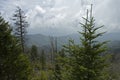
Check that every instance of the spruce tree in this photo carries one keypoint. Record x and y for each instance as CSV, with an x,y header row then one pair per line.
x,y
13,64
57,65
34,53
20,26
87,60
92,49
43,60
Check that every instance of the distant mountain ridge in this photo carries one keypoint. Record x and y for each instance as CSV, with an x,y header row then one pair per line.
x,y
43,40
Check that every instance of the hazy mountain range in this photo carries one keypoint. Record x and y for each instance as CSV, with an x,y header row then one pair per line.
x,y
43,40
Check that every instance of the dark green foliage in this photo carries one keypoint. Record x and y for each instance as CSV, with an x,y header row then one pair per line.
x,y
57,66
34,53
92,50
13,64
87,60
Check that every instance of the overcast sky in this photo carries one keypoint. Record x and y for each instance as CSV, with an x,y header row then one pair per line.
x,y
62,17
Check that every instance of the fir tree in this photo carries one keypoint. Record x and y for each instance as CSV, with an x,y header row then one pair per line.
x,y
58,66
20,26
34,53
87,60
93,51
43,60
13,64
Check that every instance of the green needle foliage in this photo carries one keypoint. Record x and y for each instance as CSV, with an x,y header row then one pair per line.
x,y
13,64
92,51
87,60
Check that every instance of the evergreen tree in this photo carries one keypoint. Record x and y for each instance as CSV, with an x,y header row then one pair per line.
x,y
87,60
13,64
20,26
34,53
58,66
93,51
43,60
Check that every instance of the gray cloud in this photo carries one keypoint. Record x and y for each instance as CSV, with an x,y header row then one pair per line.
x,y
107,13
59,17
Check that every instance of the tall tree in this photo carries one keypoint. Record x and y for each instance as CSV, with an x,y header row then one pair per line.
x,y
93,50
58,66
43,60
53,44
87,60
13,64
34,53
20,24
